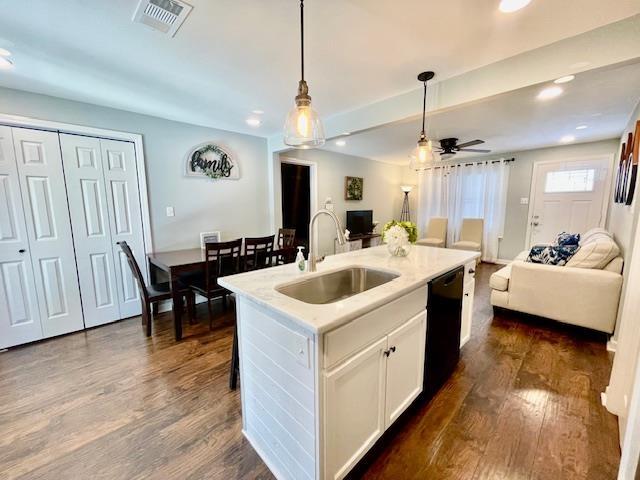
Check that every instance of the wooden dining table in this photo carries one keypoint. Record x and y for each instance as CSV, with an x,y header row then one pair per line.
x,y
177,263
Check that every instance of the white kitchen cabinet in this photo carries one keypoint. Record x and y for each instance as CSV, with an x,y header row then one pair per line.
x,y
366,393
354,408
467,303
405,366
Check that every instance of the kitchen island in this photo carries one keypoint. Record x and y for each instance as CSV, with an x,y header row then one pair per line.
x,y
330,359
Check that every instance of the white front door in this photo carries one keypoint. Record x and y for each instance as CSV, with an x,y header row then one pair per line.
x,y
568,196
19,313
83,168
49,230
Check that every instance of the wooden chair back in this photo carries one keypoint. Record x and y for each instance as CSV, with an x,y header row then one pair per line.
x,y
222,258
258,252
286,237
135,270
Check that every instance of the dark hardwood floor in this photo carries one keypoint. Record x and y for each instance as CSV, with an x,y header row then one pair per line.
x,y
110,403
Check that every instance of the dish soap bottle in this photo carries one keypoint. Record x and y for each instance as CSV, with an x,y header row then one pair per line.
x,y
300,263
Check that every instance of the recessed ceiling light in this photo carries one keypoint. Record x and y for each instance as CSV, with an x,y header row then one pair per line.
x,y
549,93
253,122
508,6
257,112
4,52
5,63
565,79
346,133
568,139
341,143
581,127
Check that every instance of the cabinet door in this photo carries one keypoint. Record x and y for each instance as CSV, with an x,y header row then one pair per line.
x,y
467,310
46,210
82,159
354,409
125,216
405,366
19,314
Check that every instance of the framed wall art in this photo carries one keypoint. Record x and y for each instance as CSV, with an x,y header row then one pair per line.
x,y
353,188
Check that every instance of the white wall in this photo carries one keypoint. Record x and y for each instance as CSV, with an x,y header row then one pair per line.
x,y
623,222
381,193
236,208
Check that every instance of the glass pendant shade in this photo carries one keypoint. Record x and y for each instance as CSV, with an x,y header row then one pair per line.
x,y
303,128
422,155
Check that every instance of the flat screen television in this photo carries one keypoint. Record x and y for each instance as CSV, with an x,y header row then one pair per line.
x,y
359,222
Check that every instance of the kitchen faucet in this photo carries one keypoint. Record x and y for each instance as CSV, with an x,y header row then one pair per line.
x,y
311,263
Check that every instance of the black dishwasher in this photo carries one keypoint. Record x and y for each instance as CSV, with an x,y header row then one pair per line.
x,y
444,316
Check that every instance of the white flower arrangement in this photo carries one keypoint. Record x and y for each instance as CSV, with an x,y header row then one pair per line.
x,y
396,237
399,236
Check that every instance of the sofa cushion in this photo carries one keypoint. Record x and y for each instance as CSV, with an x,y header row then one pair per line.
x,y
552,254
500,280
595,253
522,256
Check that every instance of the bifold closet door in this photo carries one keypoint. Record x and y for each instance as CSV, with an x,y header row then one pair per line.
x,y
104,202
125,215
19,313
46,215
83,167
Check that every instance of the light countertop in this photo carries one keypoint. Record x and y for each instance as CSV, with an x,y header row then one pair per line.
x,y
418,268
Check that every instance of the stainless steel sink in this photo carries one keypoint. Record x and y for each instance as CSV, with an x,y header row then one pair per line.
x,y
334,286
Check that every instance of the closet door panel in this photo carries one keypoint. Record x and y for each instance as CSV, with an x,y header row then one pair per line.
x,y
49,230
19,313
82,160
125,216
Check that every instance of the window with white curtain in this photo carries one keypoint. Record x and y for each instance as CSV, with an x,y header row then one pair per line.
x,y
477,190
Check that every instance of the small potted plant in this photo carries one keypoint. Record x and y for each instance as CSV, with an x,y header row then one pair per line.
x,y
399,236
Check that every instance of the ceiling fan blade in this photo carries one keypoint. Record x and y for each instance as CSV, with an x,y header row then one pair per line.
x,y
470,144
475,150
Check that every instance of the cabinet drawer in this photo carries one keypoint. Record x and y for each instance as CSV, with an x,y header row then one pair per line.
x,y
349,338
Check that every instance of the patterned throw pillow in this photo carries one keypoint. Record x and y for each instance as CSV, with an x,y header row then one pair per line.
x,y
552,254
565,238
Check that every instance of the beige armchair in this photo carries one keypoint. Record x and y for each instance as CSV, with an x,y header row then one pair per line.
x,y
470,235
436,235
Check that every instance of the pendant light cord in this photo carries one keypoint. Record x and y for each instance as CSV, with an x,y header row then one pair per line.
x,y
424,107
302,38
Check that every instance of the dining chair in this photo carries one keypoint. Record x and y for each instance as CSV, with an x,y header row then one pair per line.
x,y
258,252
470,235
436,235
221,258
286,239
151,294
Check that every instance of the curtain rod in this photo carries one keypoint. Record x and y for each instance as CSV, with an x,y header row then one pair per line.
x,y
469,164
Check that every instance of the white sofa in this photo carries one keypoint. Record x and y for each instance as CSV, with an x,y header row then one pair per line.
x,y
585,292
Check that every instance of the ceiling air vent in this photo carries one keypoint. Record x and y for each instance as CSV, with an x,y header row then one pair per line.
x,y
166,16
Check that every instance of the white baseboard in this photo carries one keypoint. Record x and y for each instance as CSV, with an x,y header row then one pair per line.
x,y
603,398
612,345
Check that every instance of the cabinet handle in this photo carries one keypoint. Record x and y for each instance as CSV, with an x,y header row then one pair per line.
x,y
466,294
22,250
471,270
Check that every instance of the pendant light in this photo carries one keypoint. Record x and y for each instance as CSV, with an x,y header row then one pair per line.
x,y
422,155
303,128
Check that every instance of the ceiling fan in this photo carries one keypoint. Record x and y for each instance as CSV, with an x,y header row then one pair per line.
x,y
450,146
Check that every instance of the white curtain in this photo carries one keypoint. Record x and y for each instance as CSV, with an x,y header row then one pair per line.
x,y
477,190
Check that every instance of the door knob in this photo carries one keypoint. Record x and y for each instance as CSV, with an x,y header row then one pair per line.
x,y
22,250
535,224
